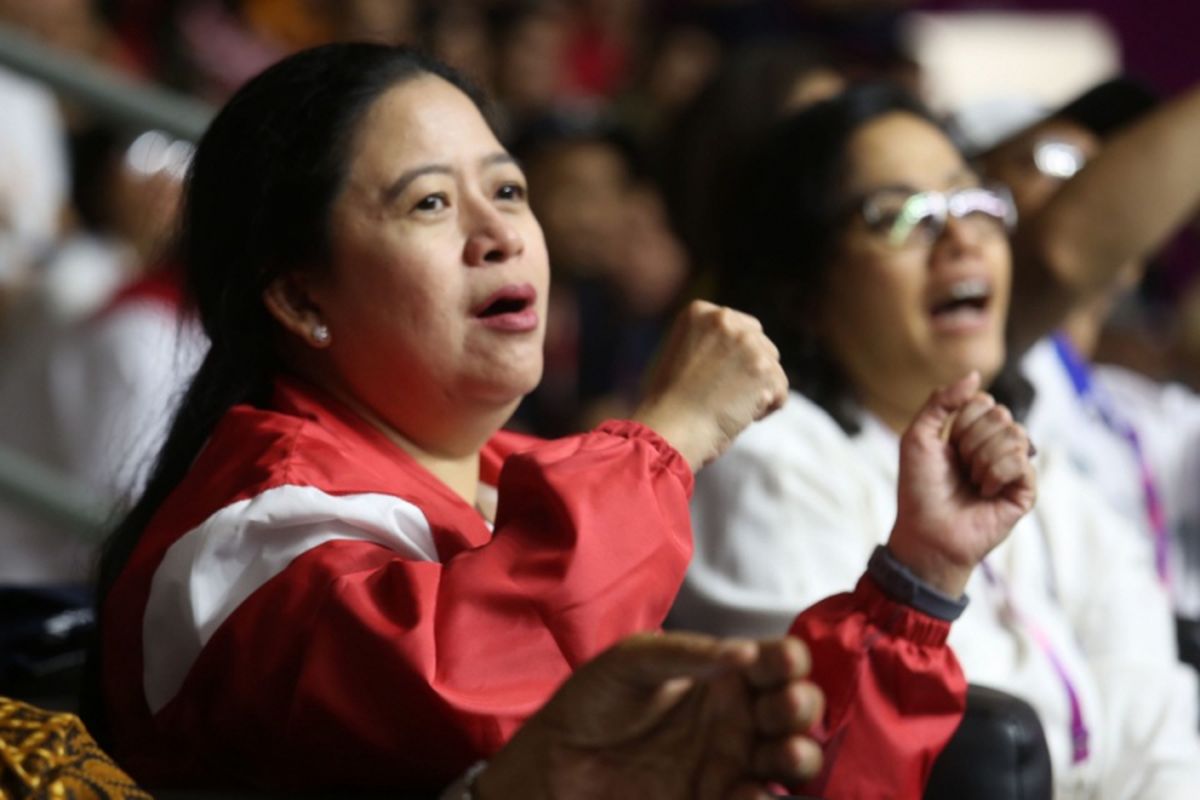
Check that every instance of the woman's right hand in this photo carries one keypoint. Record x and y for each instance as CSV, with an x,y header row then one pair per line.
x,y
965,480
718,373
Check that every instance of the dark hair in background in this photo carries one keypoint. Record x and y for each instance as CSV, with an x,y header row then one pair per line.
x,y
257,206
96,153
706,147
783,239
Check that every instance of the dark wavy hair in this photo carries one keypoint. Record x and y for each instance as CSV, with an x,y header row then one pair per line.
x,y
776,261
257,206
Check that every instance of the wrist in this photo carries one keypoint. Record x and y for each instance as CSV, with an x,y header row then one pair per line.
x,y
931,568
680,429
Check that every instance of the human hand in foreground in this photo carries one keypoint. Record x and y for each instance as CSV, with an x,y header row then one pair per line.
x,y
965,480
718,373
675,715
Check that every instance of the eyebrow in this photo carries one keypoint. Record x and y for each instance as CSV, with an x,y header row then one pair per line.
x,y
397,187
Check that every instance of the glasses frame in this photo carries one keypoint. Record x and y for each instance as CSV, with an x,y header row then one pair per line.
x,y
940,206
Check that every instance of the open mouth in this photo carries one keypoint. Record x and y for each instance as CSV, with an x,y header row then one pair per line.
x,y
963,301
503,305
509,308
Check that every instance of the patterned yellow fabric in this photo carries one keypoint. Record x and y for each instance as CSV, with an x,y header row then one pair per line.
x,y
48,755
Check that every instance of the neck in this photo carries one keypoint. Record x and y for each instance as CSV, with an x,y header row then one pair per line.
x,y
460,472
455,464
891,410
1083,329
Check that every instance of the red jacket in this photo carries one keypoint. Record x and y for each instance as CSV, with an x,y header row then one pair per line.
x,y
310,608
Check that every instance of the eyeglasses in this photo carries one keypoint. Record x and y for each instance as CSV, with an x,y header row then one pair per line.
x,y
1058,158
906,219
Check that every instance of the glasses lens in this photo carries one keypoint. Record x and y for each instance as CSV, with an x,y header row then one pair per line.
x,y
920,217
983,204
1058,159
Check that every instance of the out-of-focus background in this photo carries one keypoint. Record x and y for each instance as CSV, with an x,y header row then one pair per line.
x,y
628,115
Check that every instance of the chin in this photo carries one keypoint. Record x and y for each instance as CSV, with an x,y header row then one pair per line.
x,y
507,388
986,358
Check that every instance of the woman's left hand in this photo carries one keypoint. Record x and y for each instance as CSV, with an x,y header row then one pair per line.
x,y
965,480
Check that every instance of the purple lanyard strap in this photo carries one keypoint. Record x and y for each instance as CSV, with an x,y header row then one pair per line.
x,y
1079,729
1093,396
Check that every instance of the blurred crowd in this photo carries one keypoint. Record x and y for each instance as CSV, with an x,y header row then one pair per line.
x,y
639,125
631,118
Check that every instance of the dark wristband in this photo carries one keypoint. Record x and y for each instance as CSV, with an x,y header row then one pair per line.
x,y
900,584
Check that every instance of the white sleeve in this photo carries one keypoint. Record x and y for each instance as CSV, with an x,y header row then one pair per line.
x,y
779,522
1124,622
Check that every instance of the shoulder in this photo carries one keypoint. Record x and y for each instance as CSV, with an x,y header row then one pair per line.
x,y
798,434
257,453
796,458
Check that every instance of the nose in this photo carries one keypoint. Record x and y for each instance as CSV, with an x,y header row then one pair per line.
x,y
960,235
492,238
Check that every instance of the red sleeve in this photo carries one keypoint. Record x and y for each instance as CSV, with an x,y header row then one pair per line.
x,y
355,666
894,693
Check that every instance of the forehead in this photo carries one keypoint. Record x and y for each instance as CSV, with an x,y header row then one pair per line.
x,y
901,149
421,121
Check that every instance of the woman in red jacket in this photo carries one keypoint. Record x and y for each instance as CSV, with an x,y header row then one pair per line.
x,y
342,573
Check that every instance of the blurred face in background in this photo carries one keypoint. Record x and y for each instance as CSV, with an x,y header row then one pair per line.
x,y
913,304
532,60
578,189
1036,163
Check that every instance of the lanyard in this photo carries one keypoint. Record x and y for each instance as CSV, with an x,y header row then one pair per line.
x,y
1093,396
1079,729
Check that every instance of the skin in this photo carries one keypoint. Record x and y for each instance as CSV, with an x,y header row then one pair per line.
x,y
669,716
431,221
965,475
886,338
965,480
1012,162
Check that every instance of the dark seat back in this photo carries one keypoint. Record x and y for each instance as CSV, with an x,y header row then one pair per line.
x,y
998,753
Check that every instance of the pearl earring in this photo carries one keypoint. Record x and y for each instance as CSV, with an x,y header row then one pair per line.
x,y
320,333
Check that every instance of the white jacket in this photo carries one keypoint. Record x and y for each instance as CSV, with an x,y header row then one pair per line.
x,y
1166,417
791,513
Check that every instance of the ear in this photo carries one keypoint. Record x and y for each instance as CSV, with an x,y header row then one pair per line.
x,y
289,302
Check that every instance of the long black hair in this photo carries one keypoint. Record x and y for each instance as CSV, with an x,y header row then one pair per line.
x,y
781,249
256,206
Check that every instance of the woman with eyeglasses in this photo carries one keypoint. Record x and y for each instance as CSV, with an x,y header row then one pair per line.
x,y
881,266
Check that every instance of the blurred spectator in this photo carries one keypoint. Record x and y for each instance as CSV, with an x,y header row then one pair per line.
x,y
680,61
530,40
618,271
1106,179
703,155
456,32
33,183
86,392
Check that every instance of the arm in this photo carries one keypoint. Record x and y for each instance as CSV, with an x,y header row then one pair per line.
x,y
879,741
895,691
1119,209
400,670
